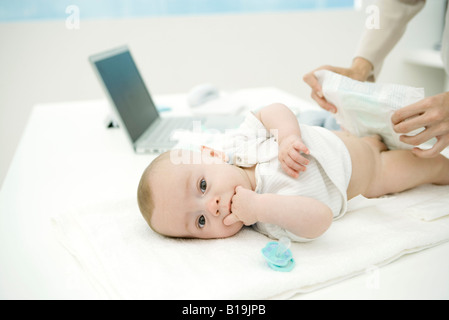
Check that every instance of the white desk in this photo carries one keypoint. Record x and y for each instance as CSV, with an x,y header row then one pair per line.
x,y
68,158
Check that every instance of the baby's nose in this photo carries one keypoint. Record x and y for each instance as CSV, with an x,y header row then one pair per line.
x,y
213,206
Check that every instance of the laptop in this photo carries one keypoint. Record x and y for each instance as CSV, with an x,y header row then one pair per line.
x,y
126,90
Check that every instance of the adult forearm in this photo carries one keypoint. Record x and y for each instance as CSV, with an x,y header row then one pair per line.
x,y
361,69
377,41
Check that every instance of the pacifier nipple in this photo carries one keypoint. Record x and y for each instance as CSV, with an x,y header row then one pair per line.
x,y
278,255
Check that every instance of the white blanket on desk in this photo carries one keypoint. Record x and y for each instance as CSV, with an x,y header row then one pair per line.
x,y
123,258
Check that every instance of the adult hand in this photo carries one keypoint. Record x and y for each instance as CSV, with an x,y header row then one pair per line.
x,y
243,207
432,113
359,70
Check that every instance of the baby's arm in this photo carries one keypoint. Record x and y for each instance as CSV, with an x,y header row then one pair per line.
x,y
302,216
282,123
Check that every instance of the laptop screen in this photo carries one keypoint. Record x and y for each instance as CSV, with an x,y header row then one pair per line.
x,y
128,92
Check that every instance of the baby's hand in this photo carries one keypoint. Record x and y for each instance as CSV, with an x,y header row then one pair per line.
x,y
242,207
290,157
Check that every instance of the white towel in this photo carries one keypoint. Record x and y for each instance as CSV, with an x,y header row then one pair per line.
x,y
123,258
425,202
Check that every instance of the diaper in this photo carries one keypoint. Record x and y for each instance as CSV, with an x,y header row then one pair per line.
x,y
365,108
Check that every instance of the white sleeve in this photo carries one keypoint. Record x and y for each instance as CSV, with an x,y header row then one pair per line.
x,y
376,43
445,43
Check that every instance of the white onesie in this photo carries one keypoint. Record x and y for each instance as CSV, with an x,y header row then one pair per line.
x,y
325,179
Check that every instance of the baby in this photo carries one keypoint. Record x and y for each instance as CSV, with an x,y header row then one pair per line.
x,y
296,193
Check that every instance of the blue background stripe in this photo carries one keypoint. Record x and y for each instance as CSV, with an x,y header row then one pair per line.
x,y
19,10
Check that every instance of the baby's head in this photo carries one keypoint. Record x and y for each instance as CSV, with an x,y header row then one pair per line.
x,y
188,194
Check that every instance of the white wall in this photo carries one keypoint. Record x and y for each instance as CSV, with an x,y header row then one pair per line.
x,y
46,62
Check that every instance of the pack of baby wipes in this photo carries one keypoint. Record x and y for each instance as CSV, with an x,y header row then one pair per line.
x,y
365,108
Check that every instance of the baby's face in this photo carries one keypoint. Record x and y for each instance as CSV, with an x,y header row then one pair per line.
x,y
191,200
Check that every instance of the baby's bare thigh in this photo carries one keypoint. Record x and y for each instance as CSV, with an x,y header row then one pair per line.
x,y
365,158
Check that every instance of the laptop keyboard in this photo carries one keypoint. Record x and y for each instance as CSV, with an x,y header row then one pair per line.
x,y
166,126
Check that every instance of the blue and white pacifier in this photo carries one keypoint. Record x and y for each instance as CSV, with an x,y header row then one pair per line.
x,y
278,255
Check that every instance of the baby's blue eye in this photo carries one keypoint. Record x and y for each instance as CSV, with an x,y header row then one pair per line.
x,y
201,222
203,185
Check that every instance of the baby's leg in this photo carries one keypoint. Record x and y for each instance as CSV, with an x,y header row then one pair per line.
x,y
376,171
401,170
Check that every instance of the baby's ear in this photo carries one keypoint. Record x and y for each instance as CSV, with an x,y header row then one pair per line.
x,y
214,153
